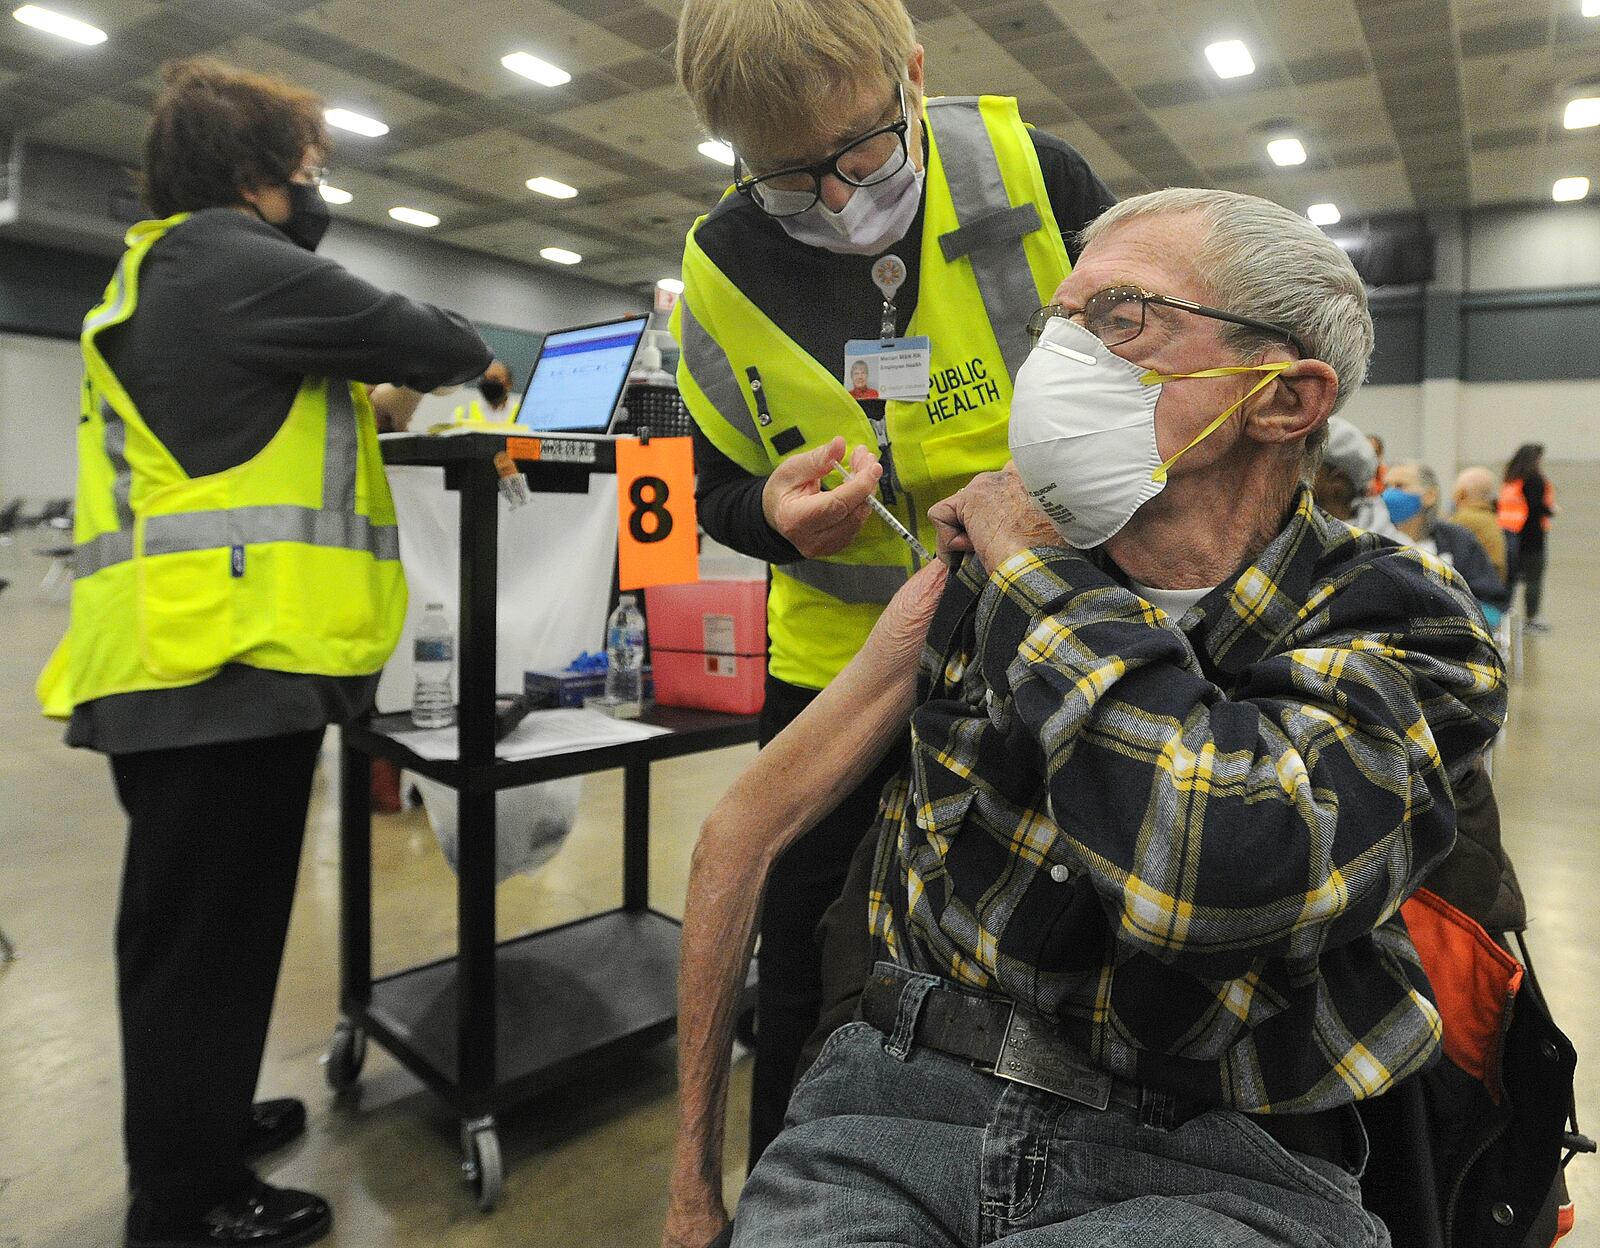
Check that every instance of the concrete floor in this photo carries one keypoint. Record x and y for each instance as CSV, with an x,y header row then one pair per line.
x,y
587,1165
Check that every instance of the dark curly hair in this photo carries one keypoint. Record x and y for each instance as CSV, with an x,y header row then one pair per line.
x,y
218,130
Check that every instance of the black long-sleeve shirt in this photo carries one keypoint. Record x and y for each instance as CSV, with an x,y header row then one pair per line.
x,y
231,318
821,300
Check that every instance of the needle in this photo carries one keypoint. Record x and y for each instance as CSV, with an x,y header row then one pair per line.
x,y
888,517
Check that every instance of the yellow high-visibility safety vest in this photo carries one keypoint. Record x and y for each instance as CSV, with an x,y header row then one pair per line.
x,y
288,562
992,253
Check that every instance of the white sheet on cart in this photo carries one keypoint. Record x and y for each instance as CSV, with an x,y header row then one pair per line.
x,y
555,563
541,733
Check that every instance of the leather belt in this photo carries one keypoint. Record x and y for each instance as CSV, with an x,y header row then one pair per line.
x,y
1002,1040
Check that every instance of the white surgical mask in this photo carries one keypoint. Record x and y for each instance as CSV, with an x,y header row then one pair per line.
x,y
872,220
1083,431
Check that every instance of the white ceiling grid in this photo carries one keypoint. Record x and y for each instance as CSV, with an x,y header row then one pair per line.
x,y
1403,105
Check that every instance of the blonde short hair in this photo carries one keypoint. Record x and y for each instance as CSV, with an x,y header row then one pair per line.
x,y
755,70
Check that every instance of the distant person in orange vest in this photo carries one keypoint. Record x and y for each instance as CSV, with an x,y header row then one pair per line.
x,y
1527,506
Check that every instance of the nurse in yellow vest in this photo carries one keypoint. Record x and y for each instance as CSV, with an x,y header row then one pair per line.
x,y
868,225
237,588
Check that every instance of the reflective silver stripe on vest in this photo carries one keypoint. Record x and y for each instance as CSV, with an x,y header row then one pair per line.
x,y
243,526
340,452
248,526
999,263
116,444
848,582
708,364
101,552
119,300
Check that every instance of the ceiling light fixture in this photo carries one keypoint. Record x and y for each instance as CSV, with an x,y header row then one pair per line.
x,y
54,23
672,284
552,188
334,195
357,123
717,151
1568,189
530,66
560,255
1591,8
1287,152
415,216
1583,112
1230,58
1323,214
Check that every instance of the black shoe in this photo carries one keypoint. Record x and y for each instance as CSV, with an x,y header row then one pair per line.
x,y
260,1216
272,1125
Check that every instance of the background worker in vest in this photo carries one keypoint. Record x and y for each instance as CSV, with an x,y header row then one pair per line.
x,y
840,167
494,389
221,370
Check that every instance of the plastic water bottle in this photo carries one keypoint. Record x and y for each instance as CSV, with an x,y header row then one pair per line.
x,y
434,660
625,660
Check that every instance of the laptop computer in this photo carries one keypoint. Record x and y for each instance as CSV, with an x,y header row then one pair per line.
x,y
577,379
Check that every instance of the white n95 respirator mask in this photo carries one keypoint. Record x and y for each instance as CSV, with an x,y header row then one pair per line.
x,y
1083,431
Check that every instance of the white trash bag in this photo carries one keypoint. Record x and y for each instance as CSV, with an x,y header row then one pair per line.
x,y
531,823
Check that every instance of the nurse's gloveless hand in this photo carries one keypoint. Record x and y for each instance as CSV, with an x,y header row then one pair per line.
x,y
820,522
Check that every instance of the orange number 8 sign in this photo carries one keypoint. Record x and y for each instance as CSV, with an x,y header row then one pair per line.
x,y
656,523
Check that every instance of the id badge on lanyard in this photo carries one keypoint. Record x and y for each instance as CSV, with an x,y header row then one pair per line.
x,y
888,367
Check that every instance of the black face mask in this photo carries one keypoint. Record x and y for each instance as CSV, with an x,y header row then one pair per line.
x,y
493,392
308,216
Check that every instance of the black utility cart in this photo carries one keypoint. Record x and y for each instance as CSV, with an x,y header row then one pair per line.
x,y
497,1024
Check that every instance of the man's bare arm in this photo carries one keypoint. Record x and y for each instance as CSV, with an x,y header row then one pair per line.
x,y
829,749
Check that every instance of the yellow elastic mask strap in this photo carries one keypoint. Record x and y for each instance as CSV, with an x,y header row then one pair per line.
x,y
1271,371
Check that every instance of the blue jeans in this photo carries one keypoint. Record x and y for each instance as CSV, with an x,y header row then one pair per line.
x,y
930,1151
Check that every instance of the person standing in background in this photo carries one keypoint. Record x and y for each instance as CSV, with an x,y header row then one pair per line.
x,y
1526,508
1474,498
861,212
494,387
237,589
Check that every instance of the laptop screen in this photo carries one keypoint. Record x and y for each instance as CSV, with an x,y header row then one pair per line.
x,y
579,376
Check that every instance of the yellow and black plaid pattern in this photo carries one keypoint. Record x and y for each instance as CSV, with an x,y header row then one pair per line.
x,y
1188,841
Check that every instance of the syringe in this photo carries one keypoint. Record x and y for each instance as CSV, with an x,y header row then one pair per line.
x,y
888,517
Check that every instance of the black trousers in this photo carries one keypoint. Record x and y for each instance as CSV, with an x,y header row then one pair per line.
x,y
804,882
214,835
1527,566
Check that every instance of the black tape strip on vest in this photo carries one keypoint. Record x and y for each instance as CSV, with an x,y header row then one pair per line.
x,y
786,440
997,227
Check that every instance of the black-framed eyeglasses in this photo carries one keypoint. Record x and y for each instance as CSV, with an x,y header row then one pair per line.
x,y
873,157
1116,315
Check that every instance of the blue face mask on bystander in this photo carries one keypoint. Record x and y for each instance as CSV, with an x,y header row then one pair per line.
x,y
1402,504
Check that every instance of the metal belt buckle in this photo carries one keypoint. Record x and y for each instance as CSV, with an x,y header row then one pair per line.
x,y
1033,1054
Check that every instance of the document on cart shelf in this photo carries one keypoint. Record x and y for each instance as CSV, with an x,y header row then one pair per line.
x,y
541,733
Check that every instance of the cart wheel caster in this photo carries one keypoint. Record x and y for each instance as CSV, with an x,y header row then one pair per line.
x,y
347,1053
481,1166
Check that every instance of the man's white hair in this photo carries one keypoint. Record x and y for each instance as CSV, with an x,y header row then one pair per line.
x,y
1265,262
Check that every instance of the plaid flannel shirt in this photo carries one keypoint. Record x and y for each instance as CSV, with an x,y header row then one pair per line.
x,y
1187,842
